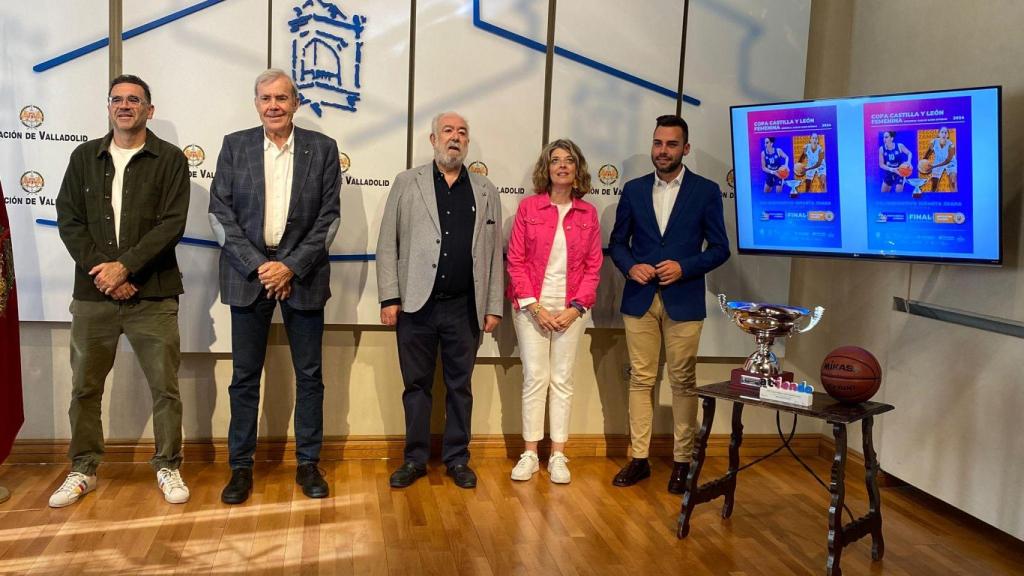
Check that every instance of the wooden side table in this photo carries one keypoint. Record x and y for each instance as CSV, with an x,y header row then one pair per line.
x,y
824,408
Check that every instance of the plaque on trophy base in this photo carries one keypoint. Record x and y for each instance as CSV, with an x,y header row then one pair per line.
x,y
750,382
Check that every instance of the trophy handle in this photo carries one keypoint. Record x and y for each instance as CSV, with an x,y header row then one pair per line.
x,y
815,318
721,304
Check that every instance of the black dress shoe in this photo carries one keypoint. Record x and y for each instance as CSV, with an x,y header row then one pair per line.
x,y
407,474
635,471
463,476
313,484
677,481
238,488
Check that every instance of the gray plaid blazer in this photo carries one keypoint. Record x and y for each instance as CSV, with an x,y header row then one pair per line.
x,y
237,200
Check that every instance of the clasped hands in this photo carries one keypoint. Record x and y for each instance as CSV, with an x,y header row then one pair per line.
x,y
111,278
276,278
553,322
666,272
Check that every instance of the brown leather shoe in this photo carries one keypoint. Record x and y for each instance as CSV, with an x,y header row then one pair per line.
x,y
677,481
635,471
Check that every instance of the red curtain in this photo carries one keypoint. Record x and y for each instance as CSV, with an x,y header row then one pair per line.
x,y
12,413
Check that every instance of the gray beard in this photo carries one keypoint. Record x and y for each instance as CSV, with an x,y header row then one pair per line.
x,y
446,163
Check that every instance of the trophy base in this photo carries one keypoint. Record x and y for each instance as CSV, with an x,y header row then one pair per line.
x,y
750,383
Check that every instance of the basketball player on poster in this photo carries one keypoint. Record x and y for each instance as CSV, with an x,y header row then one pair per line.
x,y
894,159
813,160
942,153
774,164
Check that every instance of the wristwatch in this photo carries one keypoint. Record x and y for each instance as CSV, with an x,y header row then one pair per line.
x,y
579,307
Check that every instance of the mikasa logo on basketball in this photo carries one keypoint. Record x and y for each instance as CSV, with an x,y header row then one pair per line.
x,y
837,366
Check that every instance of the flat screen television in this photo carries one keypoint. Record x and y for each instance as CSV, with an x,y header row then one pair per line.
x,y
913,176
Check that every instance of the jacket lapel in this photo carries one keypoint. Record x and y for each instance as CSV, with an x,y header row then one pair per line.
x,y
647,203
254,153
425,182
683,199
480,203
300,168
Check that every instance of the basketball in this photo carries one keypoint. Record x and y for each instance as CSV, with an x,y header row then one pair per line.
x,y
924,167
783,172
799,169
851,374
905,170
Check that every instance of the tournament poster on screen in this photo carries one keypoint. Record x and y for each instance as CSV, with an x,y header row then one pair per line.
x,y
918,174
794,170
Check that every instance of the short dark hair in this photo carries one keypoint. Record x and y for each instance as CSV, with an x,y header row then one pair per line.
x,y
131,79
673,120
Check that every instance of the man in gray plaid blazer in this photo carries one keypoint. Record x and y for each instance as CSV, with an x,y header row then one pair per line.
x,y
274,207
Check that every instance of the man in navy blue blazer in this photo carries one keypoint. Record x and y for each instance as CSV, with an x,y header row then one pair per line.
x,y
274,207
669,232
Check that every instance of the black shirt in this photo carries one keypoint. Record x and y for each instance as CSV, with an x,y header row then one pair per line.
x,y
456,212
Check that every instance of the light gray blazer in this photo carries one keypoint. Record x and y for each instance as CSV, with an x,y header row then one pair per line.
x,y
410,243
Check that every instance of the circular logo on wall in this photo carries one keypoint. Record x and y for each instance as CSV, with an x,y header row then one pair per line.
x,y
31,116
730,179
478,168
194,154
32,182
344,161
608,174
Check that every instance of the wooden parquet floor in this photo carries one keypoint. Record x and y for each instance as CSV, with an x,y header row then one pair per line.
x,y
365,527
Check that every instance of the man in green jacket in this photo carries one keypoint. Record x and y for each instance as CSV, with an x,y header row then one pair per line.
x,y
121,210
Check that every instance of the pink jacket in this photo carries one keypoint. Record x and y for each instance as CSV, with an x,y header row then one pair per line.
x,y
529,247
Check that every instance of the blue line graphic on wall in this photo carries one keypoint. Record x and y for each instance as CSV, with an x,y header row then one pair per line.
x,y
126,35
211,244
575,57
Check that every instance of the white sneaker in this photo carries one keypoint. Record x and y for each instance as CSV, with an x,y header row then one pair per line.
x,y
527,466
557,468
74,487
172,486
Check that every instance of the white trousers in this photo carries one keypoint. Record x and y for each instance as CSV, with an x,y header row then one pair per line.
x,y
548,363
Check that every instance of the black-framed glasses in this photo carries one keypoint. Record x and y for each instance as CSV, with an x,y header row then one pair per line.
x,y
130,100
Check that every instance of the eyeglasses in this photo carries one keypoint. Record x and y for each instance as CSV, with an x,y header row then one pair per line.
x,y
567,161
130,100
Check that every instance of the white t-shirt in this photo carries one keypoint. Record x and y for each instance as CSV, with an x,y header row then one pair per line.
x,y
121,157
552,292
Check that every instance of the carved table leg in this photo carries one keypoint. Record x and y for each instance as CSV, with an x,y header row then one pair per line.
x,y
837,488
700,446
874,500
734,457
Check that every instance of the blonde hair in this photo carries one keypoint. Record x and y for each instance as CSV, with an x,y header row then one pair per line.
x,y
542,174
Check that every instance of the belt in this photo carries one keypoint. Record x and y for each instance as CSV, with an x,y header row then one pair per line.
x,y
271,251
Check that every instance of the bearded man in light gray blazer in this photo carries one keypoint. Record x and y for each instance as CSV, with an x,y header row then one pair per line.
x,y
440,281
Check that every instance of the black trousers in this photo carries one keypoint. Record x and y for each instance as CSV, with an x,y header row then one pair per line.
x,y
452,325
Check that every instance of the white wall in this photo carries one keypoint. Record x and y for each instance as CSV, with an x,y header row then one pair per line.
x,y
958,392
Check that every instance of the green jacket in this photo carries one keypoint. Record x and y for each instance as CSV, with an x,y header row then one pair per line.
x,y
154,208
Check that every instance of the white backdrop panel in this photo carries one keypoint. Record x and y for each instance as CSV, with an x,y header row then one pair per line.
x,y
480,68
201,70
367,52
68,100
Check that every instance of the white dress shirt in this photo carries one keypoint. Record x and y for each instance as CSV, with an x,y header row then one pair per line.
x,y
664,196
277,173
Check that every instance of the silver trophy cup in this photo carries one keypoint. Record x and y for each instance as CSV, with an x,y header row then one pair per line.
x,y
766,322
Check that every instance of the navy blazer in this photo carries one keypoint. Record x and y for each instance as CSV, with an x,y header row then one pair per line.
x,y
696,218
237,201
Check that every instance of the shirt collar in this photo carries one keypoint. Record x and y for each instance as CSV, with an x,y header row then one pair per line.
x,y
677,181
289,144
438,174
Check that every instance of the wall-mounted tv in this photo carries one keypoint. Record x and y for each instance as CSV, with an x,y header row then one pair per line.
x,y
913,176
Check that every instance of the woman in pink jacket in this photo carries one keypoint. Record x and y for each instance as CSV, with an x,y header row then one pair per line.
x,y
554,264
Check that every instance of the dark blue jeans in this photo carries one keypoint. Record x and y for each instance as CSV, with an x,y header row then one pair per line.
x,y
250,326
452,326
